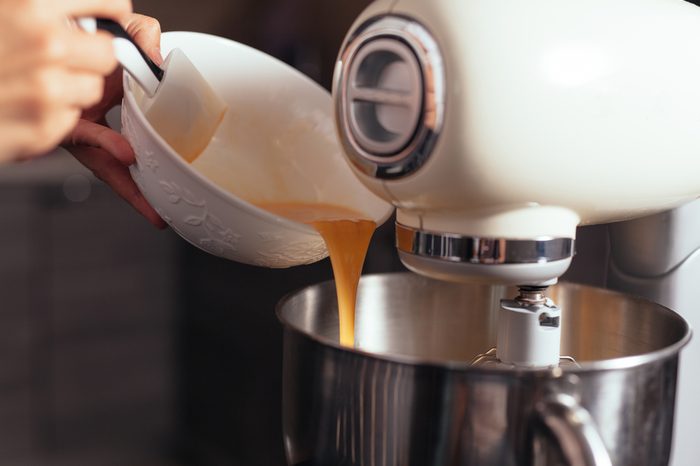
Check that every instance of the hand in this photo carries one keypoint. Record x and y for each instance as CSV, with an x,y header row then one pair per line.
x,y
104,151
146,32
49,71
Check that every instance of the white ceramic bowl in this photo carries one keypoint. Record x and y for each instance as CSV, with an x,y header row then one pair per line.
x,y
277,143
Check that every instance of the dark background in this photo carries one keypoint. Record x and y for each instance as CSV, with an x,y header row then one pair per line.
x,y
121,345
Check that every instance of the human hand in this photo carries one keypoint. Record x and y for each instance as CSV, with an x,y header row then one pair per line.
x,y
146,32
108,155
104,151
49,71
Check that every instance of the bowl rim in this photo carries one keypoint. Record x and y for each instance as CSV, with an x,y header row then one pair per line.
x,y
620,363
173,157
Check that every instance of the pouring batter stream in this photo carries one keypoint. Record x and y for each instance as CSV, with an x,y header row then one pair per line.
x,y
347,235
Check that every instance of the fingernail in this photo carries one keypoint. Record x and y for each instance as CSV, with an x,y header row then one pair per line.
x,y
158,58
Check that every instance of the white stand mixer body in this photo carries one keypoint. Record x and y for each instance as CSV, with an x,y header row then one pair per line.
x,y
535,117
552,114
541,116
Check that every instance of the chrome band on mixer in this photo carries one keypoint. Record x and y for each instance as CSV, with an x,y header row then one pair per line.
x,y
487,251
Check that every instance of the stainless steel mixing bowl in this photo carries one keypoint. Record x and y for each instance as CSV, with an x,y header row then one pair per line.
x,y
409,396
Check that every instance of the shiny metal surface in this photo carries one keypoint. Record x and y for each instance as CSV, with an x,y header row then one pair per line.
x,y
457,248
658,257
655,245
409,156
409,396
574,429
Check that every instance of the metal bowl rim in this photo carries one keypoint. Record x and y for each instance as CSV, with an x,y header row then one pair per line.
x,y
625,362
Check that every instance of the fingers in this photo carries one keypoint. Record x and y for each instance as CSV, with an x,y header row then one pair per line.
x,y
87,133
50,89
53,127
84,91
92,53
49,72
119,179
108,155
112,96
62,47
15,141
32,135
146,32
114,9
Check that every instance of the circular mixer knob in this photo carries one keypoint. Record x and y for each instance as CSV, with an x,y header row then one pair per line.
x,y
390,96
385,96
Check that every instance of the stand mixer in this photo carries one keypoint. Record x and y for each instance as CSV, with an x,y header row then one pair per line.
x,y
498,127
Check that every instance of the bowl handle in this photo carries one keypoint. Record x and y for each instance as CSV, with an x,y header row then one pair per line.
x,y
573,427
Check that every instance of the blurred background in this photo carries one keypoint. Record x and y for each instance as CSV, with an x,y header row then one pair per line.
x,y
122,345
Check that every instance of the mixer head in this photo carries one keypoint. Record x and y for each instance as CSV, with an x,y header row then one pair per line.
x,y
497,127
392,112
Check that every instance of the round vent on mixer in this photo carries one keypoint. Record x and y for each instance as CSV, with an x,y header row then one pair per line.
x,y
385,98
390,96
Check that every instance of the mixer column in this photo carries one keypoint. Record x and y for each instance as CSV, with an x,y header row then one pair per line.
x,y
529,329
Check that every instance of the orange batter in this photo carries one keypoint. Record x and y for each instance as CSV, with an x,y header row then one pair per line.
x,y
347,235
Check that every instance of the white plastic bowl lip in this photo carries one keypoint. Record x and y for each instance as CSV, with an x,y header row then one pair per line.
x,y
229,197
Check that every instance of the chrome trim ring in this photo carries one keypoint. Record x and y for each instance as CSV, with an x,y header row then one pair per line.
x,y
414,154
486,251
